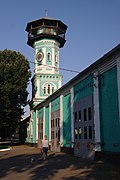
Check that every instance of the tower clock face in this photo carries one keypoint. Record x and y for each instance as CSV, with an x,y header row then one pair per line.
x,y
39,56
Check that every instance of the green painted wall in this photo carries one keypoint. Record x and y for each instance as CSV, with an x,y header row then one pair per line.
x,y
83,88
48,79
66,120
47,121
40,113
109,117
55,104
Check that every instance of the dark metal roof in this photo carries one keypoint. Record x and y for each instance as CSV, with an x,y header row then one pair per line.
x,y
93,66
38,21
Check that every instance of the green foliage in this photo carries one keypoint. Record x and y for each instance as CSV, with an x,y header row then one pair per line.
x,y
14,80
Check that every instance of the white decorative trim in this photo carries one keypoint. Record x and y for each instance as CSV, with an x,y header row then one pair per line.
x,y
118,82
96,113
72,119
61,120
50,43
46,83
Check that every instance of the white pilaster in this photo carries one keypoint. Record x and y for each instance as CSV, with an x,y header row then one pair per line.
x,y
49,121
96,113
59,84
36,126
118,82
72,118
61,119
38,87
43,121
53,60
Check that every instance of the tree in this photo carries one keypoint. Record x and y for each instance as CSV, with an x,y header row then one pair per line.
x,y
14,80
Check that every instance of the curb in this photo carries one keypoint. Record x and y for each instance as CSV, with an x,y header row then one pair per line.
x,y
7,149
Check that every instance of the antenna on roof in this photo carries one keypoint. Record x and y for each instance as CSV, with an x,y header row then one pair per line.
x,y
46,12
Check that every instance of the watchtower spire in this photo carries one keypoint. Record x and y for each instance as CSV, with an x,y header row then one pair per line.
x,y
46,12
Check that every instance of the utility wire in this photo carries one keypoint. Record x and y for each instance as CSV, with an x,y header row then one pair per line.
x,y
55,67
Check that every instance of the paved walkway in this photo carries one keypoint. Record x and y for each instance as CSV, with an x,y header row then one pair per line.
x,y
25,163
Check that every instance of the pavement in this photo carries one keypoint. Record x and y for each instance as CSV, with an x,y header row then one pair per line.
x,y
26,163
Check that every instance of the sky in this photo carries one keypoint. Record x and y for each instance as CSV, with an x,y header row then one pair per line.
x,y
93,29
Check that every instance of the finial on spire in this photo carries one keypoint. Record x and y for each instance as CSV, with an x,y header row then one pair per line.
x,y
46,12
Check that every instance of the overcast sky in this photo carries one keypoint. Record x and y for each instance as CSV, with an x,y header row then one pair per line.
x,y
93,29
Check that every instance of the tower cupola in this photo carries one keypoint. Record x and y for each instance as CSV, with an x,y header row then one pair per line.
x,y
46,28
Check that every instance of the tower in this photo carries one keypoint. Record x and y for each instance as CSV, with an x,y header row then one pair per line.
x,y
46,36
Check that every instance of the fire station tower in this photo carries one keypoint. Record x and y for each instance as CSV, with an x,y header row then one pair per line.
x,y
46,36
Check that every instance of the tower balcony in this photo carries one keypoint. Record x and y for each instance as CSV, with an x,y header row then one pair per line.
x,y
49,35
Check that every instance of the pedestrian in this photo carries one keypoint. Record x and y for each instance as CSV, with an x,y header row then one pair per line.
x,y
45,146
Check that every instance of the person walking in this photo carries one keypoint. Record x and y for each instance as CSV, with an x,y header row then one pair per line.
x,y
45,146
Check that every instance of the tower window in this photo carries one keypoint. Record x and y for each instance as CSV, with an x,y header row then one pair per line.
x,y
48,56
44,90
56,59
52,89
48,89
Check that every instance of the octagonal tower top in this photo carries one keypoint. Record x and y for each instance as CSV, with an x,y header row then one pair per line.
x,y
46,28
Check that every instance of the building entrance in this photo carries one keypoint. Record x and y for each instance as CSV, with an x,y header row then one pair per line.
x,y
55,131
40,131
83,128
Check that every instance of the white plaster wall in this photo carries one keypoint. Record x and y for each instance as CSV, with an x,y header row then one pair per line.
x,y
72,120
61,120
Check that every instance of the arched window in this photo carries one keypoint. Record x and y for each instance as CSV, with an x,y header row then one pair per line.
x,y
49,88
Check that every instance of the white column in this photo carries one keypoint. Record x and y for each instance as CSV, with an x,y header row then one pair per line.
x,y
61,120
96,113
53,60
118,82
38,87
72,118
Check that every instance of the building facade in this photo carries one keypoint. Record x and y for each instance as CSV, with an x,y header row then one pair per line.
x,y
83,116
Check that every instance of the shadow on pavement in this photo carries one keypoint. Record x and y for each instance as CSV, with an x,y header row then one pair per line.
x,y
57,166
